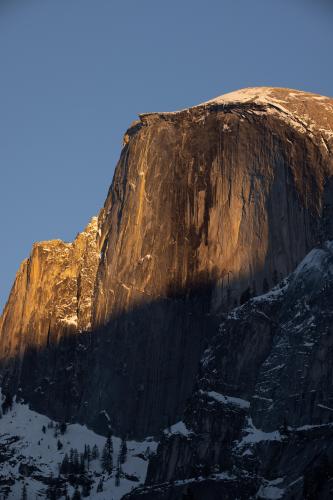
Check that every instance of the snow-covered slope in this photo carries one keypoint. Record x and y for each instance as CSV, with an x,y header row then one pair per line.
x,y
307,112
30,456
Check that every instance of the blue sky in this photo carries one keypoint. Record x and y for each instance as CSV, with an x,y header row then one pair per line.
x,y
75,73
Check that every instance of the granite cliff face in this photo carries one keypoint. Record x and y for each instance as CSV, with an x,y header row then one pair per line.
x,y
208,206
222,195
259,423
52,294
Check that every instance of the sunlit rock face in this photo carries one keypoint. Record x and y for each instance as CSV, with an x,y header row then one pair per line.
x,y
227,193
52,294
207,206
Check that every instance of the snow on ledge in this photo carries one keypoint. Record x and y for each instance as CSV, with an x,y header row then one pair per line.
x,y
227,400
178,428
271,490
254,435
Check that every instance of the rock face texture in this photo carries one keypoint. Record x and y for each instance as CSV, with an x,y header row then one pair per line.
x,y
52,294
208,206
259,424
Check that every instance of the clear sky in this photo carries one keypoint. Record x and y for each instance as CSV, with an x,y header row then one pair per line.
x,y
75,73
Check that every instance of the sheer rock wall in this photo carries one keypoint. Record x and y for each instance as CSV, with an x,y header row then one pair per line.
x,y
207,206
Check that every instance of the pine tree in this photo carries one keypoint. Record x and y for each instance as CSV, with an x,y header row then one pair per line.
x,y
58,492
95,452
50,492
118,474
123,451
87,454
24,492
76,463
82,464
8,403
100,486
65,465
63,427
71,461
65,492
77,494
107,455
86,489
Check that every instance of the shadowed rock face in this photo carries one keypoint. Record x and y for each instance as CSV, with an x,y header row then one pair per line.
x,y
260,419
205,204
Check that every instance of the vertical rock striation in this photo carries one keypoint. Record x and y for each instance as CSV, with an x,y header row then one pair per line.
x,y
52,294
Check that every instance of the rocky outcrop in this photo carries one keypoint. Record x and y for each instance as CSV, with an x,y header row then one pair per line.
x,y
208,206
259,424
52,294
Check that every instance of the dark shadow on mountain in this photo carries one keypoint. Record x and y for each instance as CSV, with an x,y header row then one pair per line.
x,y
133,375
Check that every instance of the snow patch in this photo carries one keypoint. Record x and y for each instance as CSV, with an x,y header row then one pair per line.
x,y
313,261
178,428
254,435
227,400
271,491
70,320
325,407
